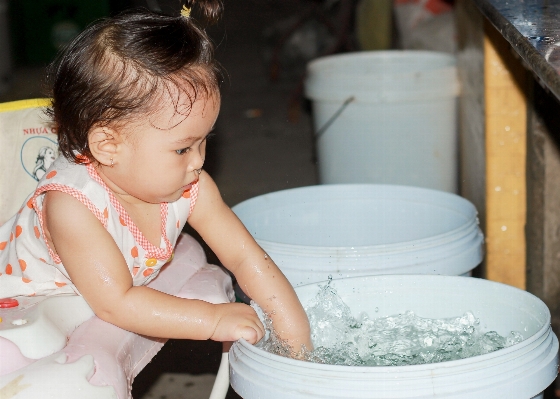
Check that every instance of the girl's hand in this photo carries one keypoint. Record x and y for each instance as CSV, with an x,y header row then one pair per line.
x,y
235,321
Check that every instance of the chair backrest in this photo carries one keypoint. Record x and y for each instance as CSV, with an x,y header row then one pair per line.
x,y
28,145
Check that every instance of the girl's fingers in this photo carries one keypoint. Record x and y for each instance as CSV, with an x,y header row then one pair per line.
x,y
250,335
262,331
253,333
259,331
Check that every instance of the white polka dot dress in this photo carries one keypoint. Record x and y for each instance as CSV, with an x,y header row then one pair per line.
x,y
28,266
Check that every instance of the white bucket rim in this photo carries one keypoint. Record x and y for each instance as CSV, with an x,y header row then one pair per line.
x,y
418,368
468,228
378,249
383,55
327,82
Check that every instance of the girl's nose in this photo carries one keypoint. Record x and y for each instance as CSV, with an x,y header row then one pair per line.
x,y
197,161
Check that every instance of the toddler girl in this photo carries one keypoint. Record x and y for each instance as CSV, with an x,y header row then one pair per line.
x,y
134,100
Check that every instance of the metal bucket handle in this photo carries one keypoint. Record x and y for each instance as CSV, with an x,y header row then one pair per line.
x,y
335,116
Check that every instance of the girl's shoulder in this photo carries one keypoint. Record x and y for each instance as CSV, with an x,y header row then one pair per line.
x,y
64,172
77,180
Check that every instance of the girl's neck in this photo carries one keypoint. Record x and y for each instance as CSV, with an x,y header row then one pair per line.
x,y
146,216
118,192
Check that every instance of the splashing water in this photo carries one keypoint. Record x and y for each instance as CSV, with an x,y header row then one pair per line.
x,y
399,340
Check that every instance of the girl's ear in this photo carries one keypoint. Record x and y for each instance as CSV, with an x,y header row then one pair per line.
x,y
104,145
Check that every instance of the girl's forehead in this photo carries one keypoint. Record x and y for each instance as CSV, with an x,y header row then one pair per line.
x,y
170,112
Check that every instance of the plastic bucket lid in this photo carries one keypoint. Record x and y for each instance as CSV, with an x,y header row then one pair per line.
x,y
382,76
348,230
521,371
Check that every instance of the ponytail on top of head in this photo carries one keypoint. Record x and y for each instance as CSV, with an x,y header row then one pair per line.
x,y
211,10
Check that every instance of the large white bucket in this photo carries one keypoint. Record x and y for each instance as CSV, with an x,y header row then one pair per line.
x,y
386,117
521,371
349,230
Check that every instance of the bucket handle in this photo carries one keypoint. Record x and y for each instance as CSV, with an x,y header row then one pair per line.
x,y
335,116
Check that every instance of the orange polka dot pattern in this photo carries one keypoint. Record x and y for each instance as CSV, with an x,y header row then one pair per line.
x,y
29,266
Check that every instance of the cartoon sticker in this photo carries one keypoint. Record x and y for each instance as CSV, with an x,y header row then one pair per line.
x,y
37,155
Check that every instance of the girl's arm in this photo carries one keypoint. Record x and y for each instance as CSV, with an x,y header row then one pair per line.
x,y
255,272
97,268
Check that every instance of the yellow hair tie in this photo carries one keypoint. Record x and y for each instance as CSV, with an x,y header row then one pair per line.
x,y
186,12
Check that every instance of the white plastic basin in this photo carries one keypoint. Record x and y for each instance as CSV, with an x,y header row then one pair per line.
x,y
521,371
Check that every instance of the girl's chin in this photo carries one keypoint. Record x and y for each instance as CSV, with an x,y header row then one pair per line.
x,y
164,198
173,198
183,192
177,195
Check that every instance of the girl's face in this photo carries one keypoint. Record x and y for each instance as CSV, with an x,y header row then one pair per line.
x,y
162,156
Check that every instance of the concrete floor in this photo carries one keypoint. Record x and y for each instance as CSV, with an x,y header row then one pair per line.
x,y
256,150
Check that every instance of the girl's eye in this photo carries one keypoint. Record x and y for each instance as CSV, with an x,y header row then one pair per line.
x,y
182,151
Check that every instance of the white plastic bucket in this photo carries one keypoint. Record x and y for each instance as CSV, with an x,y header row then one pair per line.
x,y
521,371
349,230
386,117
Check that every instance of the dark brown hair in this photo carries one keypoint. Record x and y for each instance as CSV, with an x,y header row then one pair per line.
x,y
117,67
